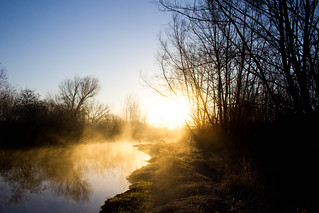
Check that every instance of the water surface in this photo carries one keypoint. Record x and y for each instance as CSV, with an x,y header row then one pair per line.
x,y
71,179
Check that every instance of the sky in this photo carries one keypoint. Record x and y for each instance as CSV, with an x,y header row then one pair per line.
x,y
45,42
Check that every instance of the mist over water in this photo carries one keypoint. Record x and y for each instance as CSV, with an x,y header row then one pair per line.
x,y
66,179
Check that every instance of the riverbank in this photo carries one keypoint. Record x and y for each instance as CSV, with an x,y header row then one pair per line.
x,y
181,178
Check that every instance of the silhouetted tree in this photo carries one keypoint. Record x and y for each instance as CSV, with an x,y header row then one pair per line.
x,y
243,61
26,120
251,68
23,122
75,93
6,94
97,113
28,106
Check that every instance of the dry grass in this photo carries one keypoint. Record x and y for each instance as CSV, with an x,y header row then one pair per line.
x,y
183,179
138,197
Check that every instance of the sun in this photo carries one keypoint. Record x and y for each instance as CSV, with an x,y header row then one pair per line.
x,y
169,112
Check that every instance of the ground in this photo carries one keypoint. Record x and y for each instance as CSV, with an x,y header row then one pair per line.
x,y
182,178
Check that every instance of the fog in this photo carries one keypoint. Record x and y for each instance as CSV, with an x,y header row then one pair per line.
x,y
73,177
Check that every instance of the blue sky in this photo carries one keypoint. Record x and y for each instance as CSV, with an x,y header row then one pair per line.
x,y
45,42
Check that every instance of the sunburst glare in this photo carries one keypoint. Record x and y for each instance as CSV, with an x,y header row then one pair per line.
x,y
170,112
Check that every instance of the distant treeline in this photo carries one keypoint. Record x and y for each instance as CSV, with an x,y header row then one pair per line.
x,y
72,115
26,120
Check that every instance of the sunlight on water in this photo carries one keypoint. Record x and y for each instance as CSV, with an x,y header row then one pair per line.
x,y
72,179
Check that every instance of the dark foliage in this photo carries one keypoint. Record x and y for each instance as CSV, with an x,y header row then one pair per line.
x,y
250,69
28,121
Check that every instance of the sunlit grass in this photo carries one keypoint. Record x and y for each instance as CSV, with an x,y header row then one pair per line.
x,y
179,178
139,196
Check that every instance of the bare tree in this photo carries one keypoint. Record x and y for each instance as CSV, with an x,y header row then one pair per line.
x,y
75,93
242,60
6,94
28,106
98,113
132,110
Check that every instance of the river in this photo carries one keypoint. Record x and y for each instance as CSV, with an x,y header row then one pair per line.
x,y
66,179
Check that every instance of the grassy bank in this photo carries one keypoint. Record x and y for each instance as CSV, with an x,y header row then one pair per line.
x,y
181,178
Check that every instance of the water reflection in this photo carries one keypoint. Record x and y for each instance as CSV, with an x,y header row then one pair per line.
x,y
73,173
